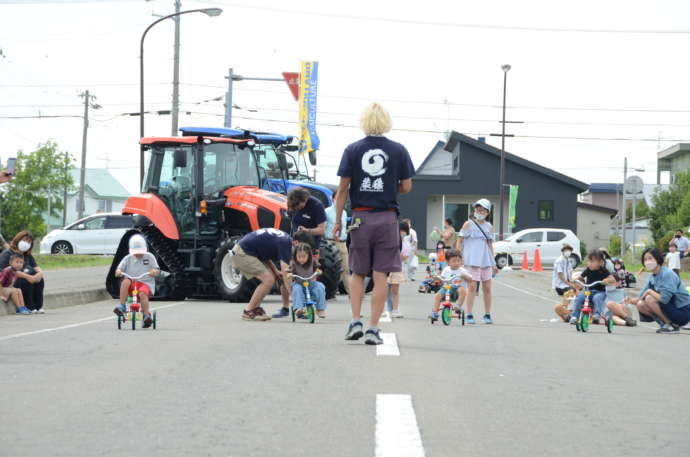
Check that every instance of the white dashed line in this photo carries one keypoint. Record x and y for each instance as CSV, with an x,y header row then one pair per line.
x,y
389,346
77,324
397,432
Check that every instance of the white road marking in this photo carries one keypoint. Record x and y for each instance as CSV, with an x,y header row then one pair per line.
x,y
389,346
550,300
397,432
77,324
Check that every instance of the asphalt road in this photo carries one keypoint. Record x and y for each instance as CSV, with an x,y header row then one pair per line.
x,y
208,384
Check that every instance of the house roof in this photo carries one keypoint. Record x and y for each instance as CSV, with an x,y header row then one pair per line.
x,y
602,209
455,138
101,183
674,150
605,188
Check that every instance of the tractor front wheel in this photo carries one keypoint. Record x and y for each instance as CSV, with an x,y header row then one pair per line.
x,y
231,284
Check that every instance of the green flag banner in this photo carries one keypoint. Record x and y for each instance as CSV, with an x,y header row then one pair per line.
x,y
512,206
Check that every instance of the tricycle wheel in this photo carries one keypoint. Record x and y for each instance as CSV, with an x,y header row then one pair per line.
x,y
134,320
311,314
445,315
609,324
155,315
462,316
584,326
578,325
119,322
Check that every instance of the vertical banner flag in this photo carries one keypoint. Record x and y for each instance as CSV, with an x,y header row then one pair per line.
x,y
309,140
512,206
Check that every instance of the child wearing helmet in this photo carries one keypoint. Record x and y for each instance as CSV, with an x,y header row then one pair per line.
x,y
138,262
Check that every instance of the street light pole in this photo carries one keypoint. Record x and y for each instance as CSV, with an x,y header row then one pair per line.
x,y
228,96
175,111
212,12
502,172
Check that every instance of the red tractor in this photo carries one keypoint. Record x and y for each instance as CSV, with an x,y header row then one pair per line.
x,y
201,194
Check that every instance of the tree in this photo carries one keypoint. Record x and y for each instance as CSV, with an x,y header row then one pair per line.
x,y
641,210
671,209
39,175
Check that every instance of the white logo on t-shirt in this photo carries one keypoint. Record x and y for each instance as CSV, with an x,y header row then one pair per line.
x,y
374,164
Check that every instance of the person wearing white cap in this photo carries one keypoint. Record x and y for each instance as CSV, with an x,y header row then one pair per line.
x,y
138,262
476,244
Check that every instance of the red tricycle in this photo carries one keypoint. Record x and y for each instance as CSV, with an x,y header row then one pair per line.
x,y
132,311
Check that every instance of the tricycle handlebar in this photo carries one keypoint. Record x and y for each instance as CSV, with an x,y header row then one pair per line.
x,y
315,274
589,285
135,278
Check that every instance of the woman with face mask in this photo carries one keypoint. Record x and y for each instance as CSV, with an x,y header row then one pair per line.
x,y
30,279
476,245
664,298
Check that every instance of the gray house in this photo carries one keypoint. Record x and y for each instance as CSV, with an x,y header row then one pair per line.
x,y
460,171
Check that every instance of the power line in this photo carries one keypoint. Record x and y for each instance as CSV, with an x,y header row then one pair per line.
x,y
451,24
544,137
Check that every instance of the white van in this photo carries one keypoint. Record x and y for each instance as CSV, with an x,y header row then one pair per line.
x,y
549,242
96,234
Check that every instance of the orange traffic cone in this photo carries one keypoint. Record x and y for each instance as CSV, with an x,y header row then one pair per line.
x,y
537,261
525,264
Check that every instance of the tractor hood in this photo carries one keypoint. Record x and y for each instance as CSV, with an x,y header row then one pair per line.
x,y
252,197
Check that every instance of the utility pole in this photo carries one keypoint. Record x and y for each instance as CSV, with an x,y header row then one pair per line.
x,y
625,178
228,101
64,192
82,176
176,72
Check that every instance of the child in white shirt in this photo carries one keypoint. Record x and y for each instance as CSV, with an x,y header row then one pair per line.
x,y
673,258
454,269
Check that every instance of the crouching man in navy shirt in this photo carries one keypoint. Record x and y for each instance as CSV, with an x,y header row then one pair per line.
x,y
308,215
373,171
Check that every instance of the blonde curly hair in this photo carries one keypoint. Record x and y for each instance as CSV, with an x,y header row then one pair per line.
x,y
375,120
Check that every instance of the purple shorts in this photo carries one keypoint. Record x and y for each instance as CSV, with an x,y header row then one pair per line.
x,y
375,245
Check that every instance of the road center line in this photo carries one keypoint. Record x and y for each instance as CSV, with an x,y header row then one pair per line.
x,y
77,324
397,432
389,346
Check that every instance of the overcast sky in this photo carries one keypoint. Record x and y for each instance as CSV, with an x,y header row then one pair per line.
x,y
420,59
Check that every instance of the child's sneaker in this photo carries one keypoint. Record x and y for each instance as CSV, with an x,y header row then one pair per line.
x,y
119,310
23,310
573,320
469,319
433,317
148,321
282,312
487,319
595,319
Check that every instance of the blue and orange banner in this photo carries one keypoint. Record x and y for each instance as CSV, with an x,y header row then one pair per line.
x,y
309,140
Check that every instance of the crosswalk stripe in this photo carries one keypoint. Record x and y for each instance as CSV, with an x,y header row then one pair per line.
x,y
389,346
397,432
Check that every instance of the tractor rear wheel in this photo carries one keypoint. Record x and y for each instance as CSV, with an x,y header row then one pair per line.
x,y
232,285
331,266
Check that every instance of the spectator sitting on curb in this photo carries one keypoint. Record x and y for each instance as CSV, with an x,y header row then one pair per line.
x,y
30,278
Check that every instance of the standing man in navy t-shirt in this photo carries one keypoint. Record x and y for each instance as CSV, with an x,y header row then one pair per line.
x,y
373,170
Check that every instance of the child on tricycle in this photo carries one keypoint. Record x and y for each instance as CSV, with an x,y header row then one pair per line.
x,y
454,271
138,264
303,269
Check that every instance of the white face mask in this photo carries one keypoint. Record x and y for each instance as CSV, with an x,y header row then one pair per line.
x,y
24,246
650,265
479,216
567,253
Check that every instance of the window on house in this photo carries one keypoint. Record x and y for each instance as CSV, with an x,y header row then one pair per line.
x,y
105,206
545,211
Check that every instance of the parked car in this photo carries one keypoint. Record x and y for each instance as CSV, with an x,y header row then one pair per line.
x,y
96,234
548,240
